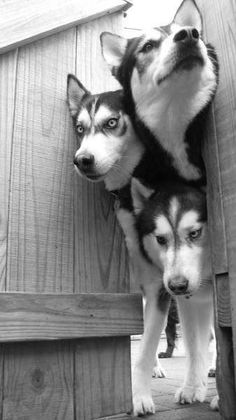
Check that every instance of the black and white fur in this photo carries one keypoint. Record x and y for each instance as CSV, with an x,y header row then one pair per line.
x,y
173,236
169,77
148,161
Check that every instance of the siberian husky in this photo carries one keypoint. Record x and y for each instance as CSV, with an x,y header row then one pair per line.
x,y
173,235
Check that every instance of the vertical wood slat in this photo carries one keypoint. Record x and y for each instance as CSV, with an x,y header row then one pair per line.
x,y
220,28
107,361
8,64
38,379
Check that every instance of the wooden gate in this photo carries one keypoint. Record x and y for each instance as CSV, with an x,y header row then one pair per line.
x,y
220,154
64,272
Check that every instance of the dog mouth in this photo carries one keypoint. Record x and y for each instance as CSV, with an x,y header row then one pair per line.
x,y
184,62
94,177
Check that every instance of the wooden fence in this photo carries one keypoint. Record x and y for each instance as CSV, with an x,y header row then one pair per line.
x,y
220,154
64,272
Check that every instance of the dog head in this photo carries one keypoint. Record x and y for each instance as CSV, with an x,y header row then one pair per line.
x,y
169,65
104,133
173,235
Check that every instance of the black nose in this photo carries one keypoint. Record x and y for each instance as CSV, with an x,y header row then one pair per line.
x,y
178,285
84,162
187,35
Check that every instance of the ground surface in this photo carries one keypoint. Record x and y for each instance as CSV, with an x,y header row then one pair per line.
x,y
163,389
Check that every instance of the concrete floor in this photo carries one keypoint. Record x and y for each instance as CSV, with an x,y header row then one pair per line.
x,y
163,389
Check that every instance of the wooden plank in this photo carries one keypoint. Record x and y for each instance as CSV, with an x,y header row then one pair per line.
x,y
38,381
216,219
8,64
102,378
40,235
223,300
225,373
25,317
221,32
26,21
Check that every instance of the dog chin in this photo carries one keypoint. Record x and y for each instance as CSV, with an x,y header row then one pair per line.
x,y
91,177
95,177
185,64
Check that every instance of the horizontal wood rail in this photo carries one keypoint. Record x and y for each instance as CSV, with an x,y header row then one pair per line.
x,y
26,21
28,317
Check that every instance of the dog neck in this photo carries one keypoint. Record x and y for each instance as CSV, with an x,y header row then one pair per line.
x,y
168,111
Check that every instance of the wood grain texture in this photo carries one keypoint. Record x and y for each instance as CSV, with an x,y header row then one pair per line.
x,y
225,373
220,30
223,299
40,238
40,234
34,20
8,64
25,317
38,381
102,378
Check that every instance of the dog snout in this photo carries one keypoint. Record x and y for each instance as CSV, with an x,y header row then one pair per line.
x,y
84,162
178,285
187,35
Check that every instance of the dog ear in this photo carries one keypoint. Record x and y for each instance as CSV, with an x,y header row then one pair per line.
x,y
188,14
75,92
140,195
113,49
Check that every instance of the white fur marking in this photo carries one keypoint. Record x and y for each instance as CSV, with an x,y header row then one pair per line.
x,y
189,220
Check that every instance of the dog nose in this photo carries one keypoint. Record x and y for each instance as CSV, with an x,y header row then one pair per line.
x,y
84,162
178,285
187,35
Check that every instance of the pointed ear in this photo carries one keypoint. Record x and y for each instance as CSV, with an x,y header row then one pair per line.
x,y
188,14
113,49
140,195
75,92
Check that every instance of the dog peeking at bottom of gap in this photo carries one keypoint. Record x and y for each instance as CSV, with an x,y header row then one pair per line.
x,y
172,231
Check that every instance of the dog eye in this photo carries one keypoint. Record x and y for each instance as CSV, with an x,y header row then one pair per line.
x,y
195,234
161,240
147,47
112,123
79,128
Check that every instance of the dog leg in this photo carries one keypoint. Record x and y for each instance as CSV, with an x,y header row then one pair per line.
x,y
154,319
196,315
158,370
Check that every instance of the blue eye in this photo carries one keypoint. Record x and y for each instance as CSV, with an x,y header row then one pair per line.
x,y
79,128
112,123
195,234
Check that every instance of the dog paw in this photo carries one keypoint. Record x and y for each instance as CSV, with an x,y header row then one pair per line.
x,y
215,403
143,404
189,394
158,372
